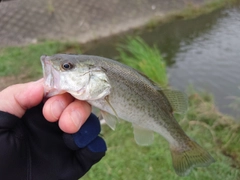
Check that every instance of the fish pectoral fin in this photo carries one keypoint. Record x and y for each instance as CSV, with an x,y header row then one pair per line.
x,y
110,119
142,136
177,99
108,102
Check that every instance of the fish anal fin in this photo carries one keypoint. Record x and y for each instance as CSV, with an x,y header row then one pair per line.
x,y
142,136
110,119
177,99
190,156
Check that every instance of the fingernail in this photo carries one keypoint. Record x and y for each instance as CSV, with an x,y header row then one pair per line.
x,y
76,118
57,108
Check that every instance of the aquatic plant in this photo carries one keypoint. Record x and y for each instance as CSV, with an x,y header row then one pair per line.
x,y
139,55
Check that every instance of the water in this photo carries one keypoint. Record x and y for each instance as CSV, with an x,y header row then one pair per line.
x,y
203,52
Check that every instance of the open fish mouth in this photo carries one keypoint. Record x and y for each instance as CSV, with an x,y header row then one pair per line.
x,y
50,75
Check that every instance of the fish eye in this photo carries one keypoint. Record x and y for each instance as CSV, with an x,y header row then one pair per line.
x,y
67,66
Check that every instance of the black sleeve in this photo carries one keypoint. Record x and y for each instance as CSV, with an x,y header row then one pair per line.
x,y
35,149
13,149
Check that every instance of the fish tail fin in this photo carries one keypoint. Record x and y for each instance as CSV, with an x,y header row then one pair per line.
x,y
188,156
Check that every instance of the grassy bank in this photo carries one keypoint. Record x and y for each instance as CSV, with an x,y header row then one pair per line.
x,y
25,61
192,10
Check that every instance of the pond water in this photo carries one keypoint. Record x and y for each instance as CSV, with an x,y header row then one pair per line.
x,y
203,52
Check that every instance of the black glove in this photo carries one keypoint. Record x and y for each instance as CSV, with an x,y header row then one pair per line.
x,y
32,148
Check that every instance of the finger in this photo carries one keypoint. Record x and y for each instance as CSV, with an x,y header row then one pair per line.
x,y
55,105
74,116
16,99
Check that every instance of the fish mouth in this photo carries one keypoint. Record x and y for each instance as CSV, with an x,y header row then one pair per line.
x,y
45,61
47,70
50,76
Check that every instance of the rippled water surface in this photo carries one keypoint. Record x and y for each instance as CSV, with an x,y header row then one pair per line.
x,y
204,52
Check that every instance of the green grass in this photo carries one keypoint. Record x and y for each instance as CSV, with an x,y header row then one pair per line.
x,y
25,61
137,54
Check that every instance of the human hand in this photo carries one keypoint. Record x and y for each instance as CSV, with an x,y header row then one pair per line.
x,y
71,113
31,146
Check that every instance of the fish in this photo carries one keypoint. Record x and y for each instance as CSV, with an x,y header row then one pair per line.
x,y
123,93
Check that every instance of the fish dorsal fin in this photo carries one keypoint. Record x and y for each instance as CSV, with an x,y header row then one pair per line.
x,y
142,136
177,99
110,119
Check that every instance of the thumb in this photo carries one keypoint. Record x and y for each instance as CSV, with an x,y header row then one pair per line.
x,y
16,99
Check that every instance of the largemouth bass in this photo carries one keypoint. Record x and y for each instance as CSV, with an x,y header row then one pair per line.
x,y
121,92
